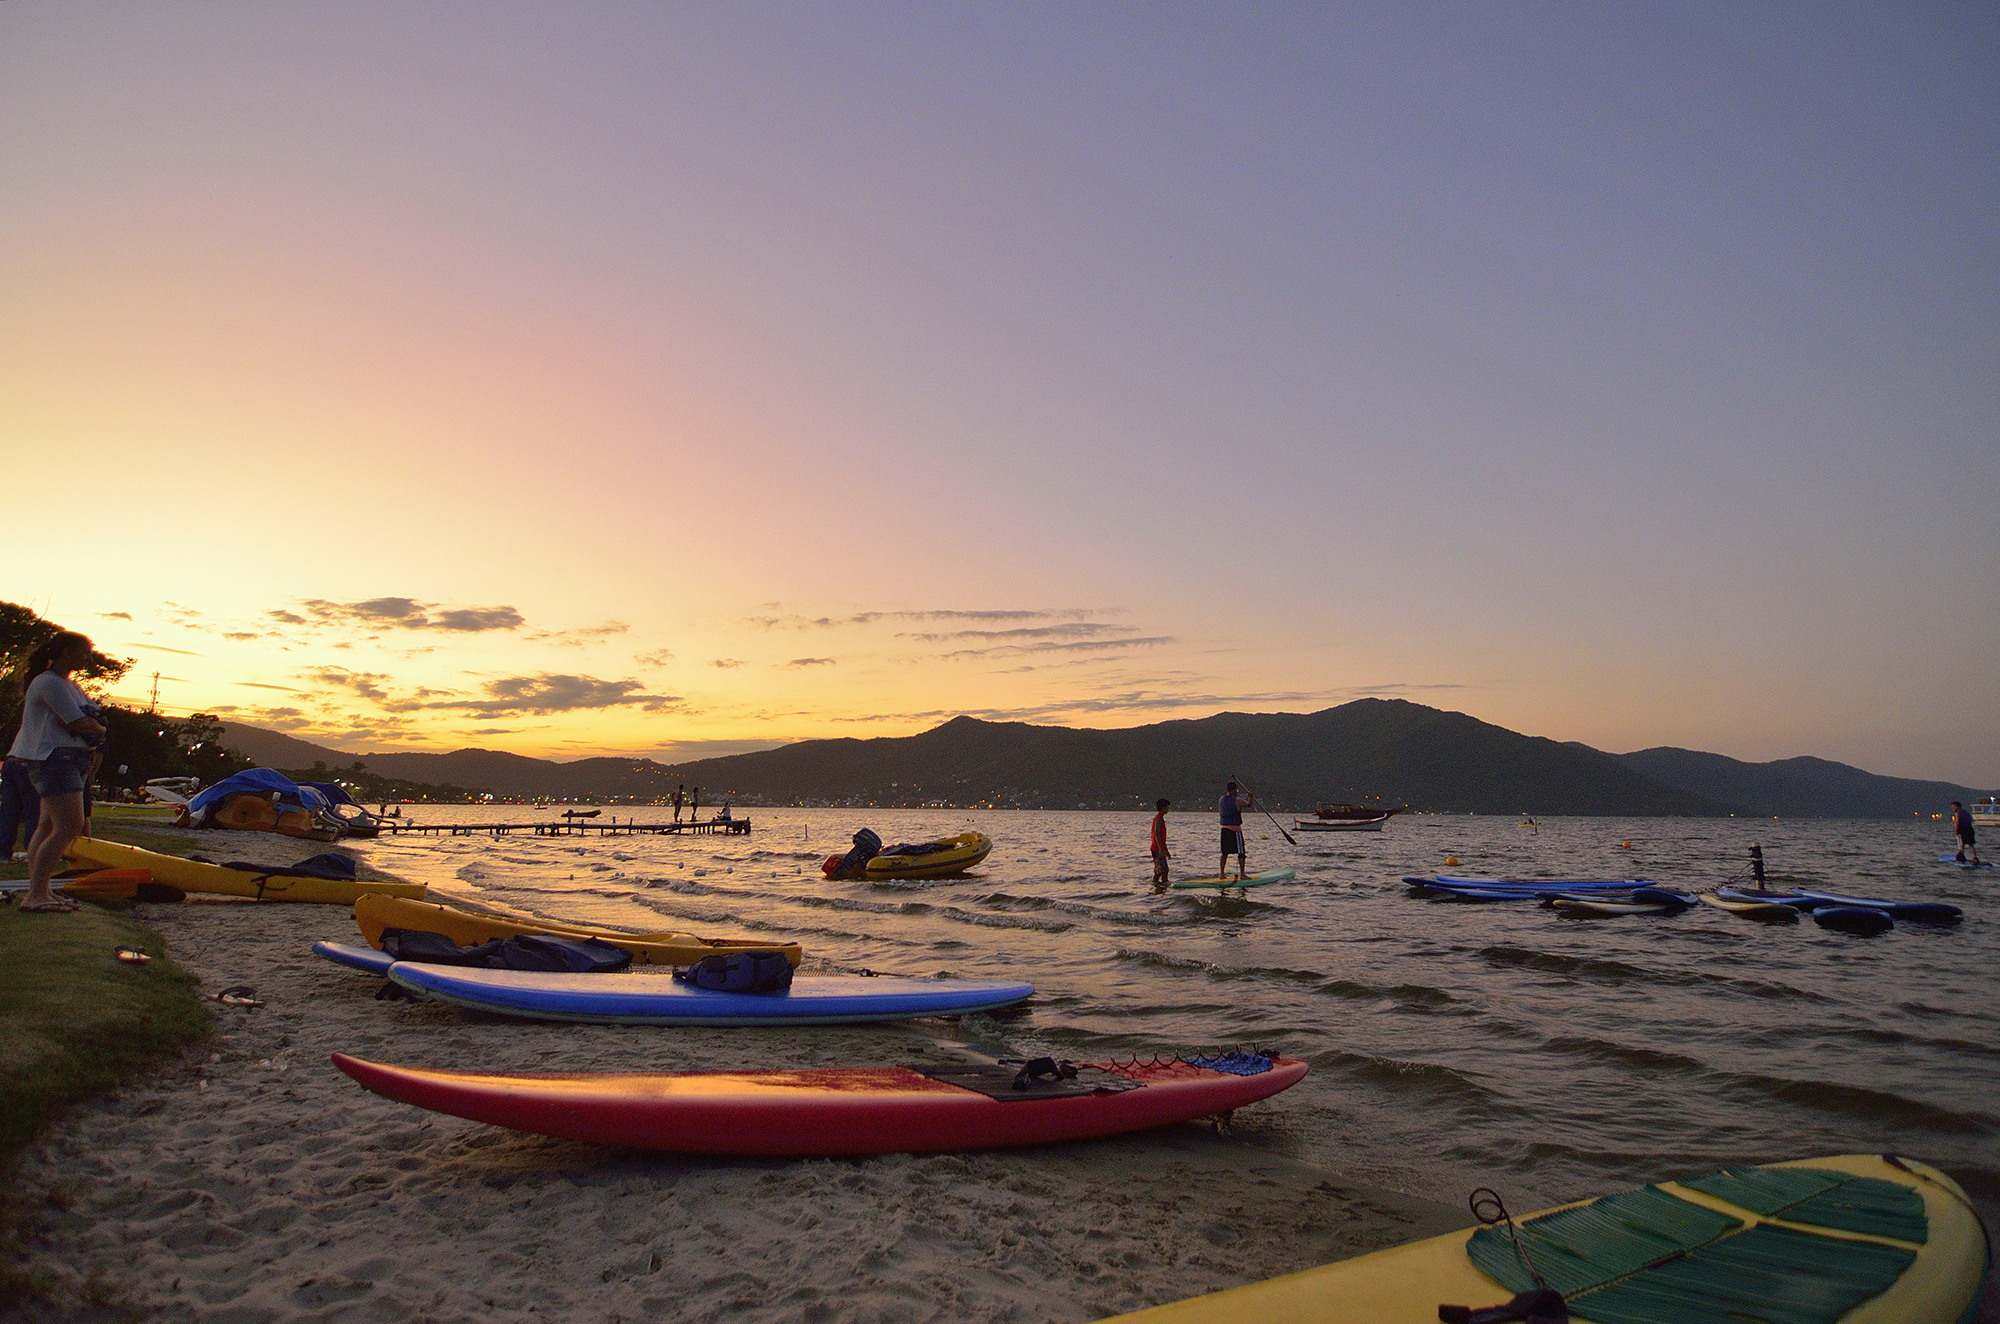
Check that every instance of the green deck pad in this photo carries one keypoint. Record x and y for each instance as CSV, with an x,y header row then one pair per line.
x,y
1578,1249
1768,1275
1822,1198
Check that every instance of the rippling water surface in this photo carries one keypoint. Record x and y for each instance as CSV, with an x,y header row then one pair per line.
x,y
1451,1044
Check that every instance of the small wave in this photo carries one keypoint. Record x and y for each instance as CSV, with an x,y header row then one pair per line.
x,y
1897,1039
1619,972
1651,1060
864,907
1420,995
1417,995
686,886
1860,1101
1430,1079
1004,921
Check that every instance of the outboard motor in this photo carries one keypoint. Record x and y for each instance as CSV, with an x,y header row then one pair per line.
x,y
866,847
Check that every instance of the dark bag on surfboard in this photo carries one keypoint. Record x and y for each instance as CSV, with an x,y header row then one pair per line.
x,y
526,951
545,951
740,972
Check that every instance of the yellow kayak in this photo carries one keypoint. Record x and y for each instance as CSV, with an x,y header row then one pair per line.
x,y
1862,1239
195,876
469,928
954,856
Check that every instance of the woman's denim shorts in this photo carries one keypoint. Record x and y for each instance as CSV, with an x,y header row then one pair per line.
x,y
63,772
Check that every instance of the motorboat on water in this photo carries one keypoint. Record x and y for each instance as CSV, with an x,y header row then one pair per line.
x,y
1987,812
1347,818
1340,824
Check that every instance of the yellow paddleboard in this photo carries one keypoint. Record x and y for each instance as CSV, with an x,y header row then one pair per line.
x,y
1934,1271
194,876
376,913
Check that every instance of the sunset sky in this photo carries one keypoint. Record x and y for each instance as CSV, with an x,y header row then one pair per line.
x,y
672,380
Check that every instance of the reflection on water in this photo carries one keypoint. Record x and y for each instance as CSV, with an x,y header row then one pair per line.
x,y
1451,1044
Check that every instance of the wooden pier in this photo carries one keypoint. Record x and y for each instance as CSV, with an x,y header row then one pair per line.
x,y
577,827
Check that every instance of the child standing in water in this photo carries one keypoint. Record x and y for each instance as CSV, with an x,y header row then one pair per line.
x,y
1160,852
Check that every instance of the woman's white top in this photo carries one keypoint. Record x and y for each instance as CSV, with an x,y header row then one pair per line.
x,y
52,700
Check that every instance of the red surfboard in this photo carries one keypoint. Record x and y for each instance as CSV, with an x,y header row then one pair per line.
x,y
818,1113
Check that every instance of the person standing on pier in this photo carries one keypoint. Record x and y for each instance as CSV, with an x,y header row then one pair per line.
x,y
680,795
694,806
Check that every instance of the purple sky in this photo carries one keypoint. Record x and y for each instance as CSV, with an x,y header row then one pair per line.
x,y
1616,373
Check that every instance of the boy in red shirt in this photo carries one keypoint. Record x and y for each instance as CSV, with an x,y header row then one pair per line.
x,y
1160,852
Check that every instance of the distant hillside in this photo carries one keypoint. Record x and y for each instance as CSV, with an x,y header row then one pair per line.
x,y
1797,787
274,749
1382,750
1386,750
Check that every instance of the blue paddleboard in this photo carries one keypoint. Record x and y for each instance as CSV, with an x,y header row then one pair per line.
x,y
1933,912
652,996
1863,921
355,956
1964,864
1449,882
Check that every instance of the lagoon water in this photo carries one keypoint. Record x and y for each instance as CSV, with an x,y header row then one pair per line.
x,y
1452,1045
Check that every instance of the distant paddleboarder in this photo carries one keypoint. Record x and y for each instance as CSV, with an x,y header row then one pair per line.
x,y
1230,809
1961,824
1160,852
1757,866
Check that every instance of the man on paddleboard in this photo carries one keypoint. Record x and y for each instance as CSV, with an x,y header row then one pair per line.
x,y
1230,808
1961,824
1160,852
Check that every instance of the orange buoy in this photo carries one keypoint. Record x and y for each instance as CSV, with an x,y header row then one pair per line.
x,y
1451,859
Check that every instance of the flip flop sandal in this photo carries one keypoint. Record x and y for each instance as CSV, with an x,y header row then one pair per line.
x,y
59,906
241,995
134,955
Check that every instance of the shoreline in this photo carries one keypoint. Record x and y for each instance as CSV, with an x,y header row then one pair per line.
x,y
253,1181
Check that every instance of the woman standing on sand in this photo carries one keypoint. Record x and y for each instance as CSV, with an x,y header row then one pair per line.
x,y
58,738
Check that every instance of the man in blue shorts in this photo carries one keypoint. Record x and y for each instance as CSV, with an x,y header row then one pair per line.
x,y
1230,807
1961,826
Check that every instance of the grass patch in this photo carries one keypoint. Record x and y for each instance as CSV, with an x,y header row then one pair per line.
x,y
77,1021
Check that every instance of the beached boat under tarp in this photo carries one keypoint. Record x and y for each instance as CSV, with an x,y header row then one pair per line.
x,y
262,800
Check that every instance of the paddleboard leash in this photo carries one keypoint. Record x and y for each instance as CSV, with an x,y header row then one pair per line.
x,y
1543,1305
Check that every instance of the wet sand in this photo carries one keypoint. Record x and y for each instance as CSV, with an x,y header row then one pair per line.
x,y
255,1182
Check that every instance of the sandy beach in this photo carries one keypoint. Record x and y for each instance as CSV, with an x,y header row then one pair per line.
x,y
253,1181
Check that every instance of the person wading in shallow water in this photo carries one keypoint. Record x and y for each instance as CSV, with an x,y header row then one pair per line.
x,y
1230,808
59,737
1160,852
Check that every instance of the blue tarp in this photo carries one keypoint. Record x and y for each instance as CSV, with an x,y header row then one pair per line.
x,y
333,791
258,781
